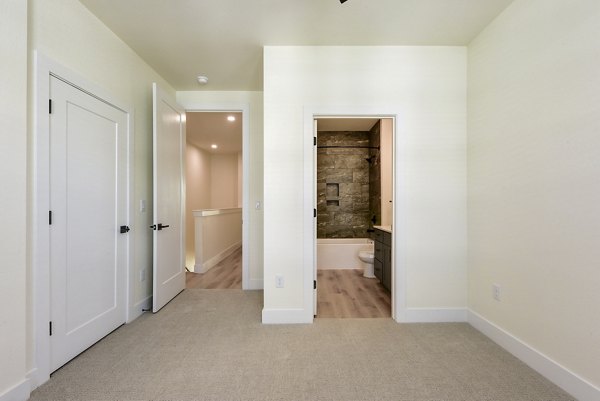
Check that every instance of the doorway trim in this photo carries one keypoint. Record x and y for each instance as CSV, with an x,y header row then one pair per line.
x,y
45,67
244,108
399,201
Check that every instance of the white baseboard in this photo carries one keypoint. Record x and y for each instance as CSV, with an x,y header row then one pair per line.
x,y
286,316
255,284
137,309
212,262
35,378
435,315
553,371
18,392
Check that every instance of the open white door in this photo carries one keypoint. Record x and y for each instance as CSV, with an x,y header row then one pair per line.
x,y
168,197
315,195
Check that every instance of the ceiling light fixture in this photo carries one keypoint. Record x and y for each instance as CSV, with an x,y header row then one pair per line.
x,y
230,118
202,79
213,146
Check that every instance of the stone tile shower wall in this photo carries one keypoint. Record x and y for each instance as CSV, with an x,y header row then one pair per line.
x,y
343,185
375,174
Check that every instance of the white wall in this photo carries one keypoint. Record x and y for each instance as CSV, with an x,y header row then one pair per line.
x,y
533,178
230,100
65,31
13,196
197,194
427,86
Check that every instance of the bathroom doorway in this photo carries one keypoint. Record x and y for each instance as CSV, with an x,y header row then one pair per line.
x,y
214,199
354,213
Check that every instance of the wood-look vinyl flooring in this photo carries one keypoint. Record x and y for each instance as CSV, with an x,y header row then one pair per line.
x,y
347,294
342,293
227,274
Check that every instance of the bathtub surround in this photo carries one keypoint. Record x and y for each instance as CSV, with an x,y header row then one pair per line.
x,y
342,184
349,182
341,253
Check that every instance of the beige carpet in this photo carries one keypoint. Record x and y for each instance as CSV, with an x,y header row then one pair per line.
x,y
210,345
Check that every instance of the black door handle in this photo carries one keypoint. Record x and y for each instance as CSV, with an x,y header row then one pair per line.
x,y
124,229
158,226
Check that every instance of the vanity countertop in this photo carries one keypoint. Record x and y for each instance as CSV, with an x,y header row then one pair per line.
x,y
384,228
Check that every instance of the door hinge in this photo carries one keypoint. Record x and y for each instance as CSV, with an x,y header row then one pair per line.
x,y
50,217
314,284
314,141
314,212
50,106
50,327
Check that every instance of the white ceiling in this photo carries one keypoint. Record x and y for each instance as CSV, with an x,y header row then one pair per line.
x,y
206,128
223,39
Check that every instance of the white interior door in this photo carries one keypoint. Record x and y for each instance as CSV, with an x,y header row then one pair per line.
x,y
88,202
315,197
169,198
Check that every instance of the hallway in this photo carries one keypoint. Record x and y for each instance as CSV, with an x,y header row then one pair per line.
x,y
226,275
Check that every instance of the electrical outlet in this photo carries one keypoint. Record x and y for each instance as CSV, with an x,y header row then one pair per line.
x,y
279,282
496,292
142,274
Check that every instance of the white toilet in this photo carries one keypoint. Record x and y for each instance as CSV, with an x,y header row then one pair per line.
x,y
367,257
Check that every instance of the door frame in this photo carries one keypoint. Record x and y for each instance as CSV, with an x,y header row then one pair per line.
x,y
244,108
399,199
44,67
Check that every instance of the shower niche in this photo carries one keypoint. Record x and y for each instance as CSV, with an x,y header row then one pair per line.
x,y
332,193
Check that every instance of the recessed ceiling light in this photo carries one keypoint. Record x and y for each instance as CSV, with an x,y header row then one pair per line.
x,y
230,118
202,79
213,146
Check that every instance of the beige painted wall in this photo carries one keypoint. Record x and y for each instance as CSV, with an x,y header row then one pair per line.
x,y
197,194
229,100
13,196
533,174
219,234
426,85
387,169
240,180
224,181
212,182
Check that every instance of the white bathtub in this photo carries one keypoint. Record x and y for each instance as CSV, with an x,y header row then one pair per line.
x,y
341,253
